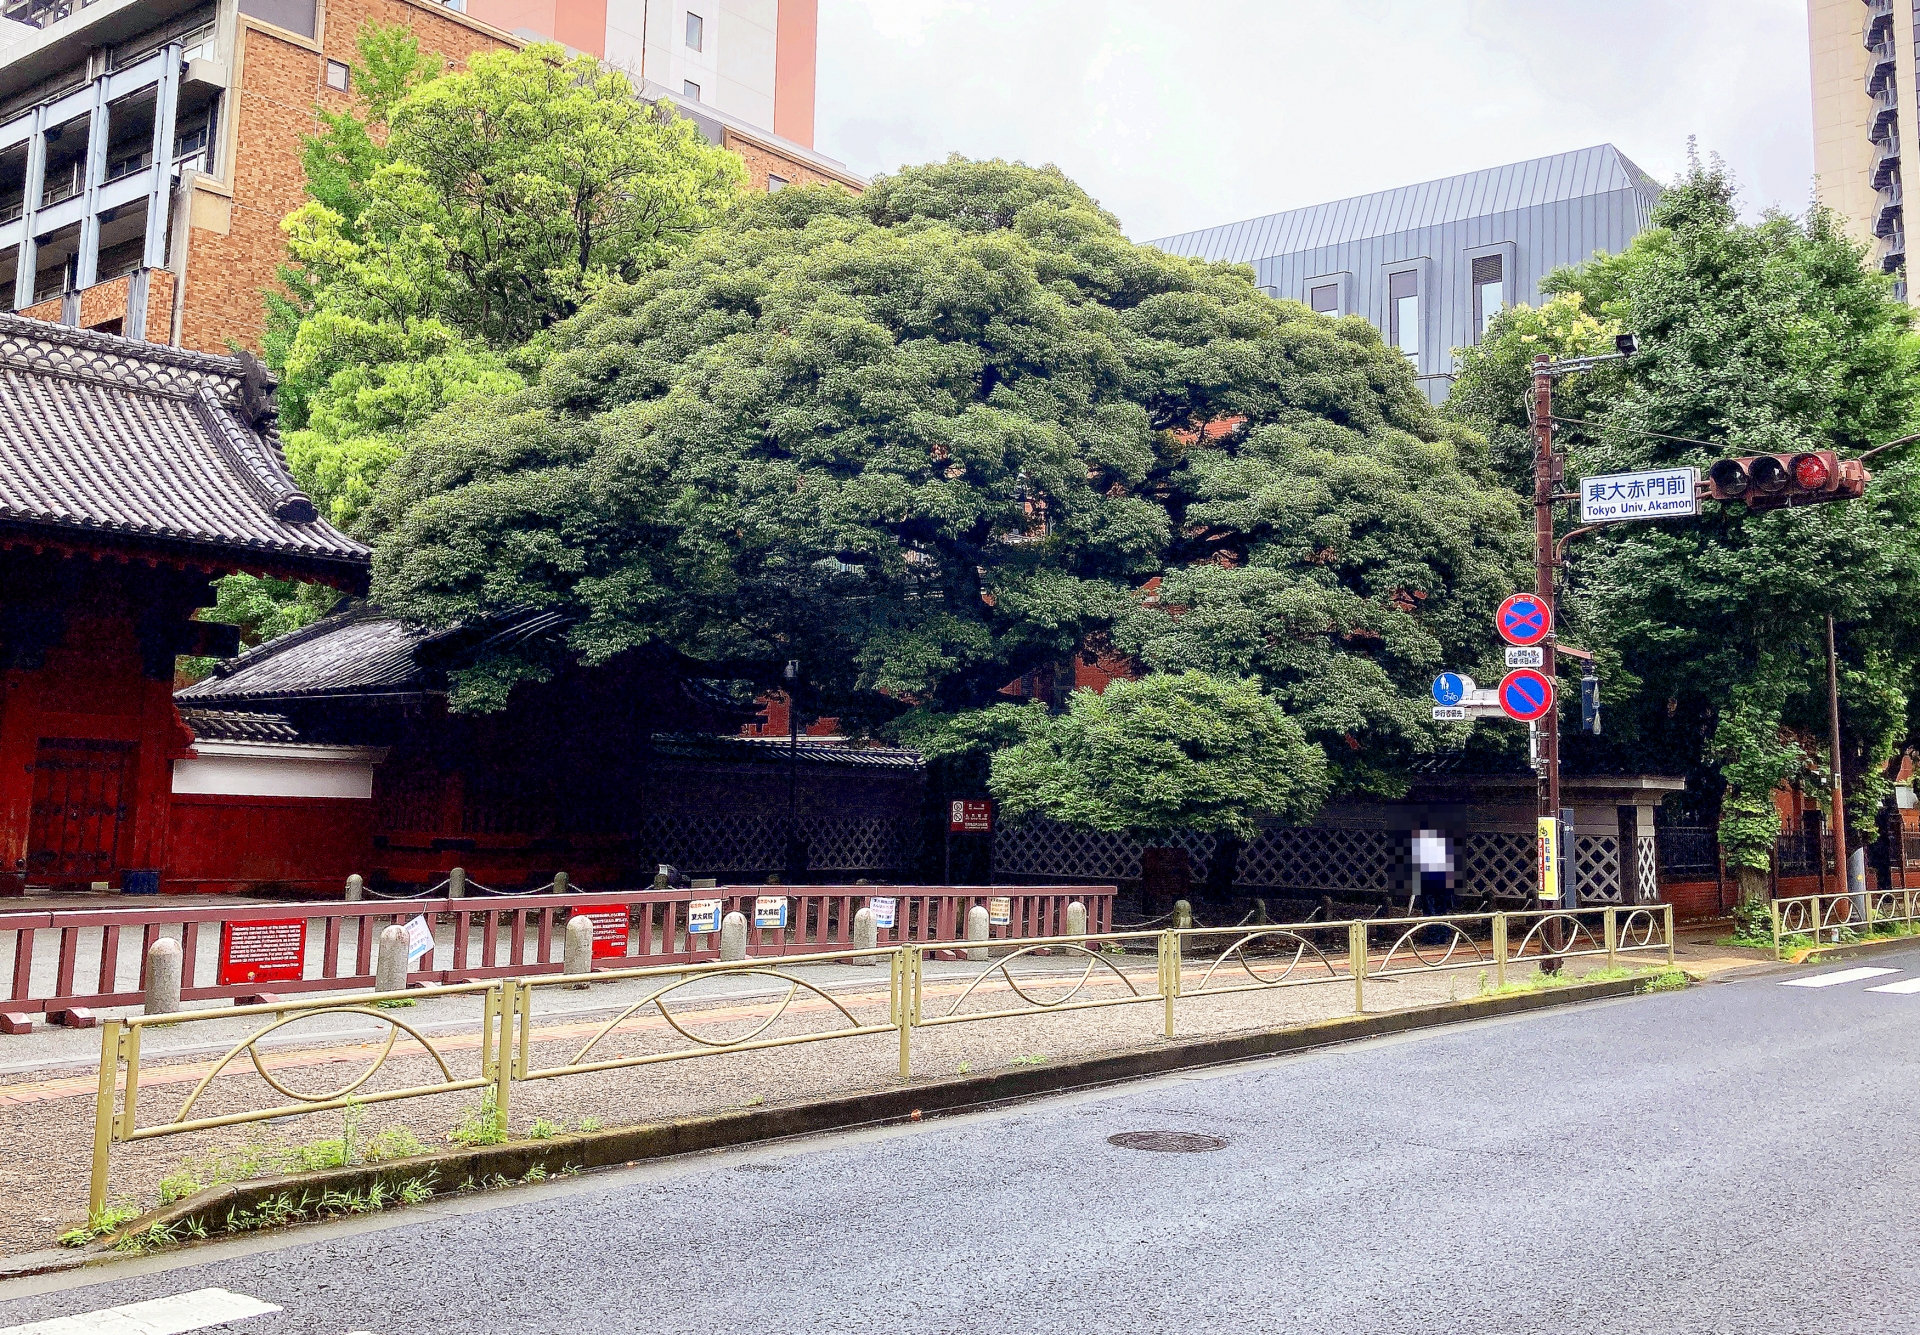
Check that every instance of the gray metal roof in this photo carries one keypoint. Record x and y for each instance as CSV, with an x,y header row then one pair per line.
x,y
111,436
1518,185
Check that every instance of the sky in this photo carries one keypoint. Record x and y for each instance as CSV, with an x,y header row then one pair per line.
x,y
1180,114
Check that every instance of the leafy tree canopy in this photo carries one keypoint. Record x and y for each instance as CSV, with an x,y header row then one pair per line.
x,y
1769,336
943,434
1171,751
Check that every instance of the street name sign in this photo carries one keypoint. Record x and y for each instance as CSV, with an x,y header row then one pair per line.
x,y
1523,619
1525,695
1663,493
1534,657
1450,688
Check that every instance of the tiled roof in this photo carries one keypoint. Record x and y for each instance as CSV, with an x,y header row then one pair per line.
x,y
1518,185
107,435
356,652
773,751
231,725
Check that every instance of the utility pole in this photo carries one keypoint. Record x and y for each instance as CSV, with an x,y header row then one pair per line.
x,y
793,771
1546,467
1839,797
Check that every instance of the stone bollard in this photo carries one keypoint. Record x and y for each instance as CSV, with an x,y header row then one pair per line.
x,y
1182,915
1077,920
660,881
356,888
866,936
390,964
977,931
163,977
579,957
733,937
559,883
457,883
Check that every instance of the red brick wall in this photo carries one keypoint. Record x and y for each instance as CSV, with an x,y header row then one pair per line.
x,y
280,79
763,160
104,306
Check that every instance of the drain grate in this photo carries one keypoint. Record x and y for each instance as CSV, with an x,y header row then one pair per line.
x,y
1168,1142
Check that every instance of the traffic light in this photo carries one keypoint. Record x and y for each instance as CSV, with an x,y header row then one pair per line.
x,y
1590,700
1771,481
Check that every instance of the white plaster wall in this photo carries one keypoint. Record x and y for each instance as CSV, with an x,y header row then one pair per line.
x,y
249,776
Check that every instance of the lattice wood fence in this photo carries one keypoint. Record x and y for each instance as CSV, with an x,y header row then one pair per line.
x,y
755,843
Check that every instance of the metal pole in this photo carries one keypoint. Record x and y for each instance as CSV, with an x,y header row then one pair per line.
x,y
1548,803
793,761
1839,797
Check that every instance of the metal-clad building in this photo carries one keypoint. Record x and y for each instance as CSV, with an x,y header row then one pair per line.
x,y
1429,264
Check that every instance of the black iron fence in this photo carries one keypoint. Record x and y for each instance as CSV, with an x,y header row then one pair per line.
x,y
1687,852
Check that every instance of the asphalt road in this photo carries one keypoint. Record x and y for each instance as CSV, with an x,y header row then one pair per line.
x,y
1734,1158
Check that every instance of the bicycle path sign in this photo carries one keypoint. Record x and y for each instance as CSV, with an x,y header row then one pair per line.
x,y
1523,619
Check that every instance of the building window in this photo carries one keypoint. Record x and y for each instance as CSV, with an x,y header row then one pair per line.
x,y
1403,303
338,76
1489,292
775,183
1325,299
690,90
696,32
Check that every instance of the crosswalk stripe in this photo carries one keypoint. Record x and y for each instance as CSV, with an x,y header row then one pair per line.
x,y
1818,980
158,1316
1903,986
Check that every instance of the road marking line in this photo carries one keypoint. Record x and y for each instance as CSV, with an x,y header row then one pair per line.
x,y
158,1316
1819,980
1903,986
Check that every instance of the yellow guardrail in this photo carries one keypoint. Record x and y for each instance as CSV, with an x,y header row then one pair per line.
x,y
1832,915
1225,961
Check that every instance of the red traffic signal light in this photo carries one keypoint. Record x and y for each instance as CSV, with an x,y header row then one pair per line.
x,y
1770,481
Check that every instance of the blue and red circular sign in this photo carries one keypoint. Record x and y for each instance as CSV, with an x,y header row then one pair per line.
x,y
1523,619
1526,694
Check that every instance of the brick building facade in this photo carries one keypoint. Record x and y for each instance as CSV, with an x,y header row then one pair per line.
x,y
149,150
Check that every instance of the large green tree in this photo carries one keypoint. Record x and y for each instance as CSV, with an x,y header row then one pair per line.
x,y
938,436
1765,336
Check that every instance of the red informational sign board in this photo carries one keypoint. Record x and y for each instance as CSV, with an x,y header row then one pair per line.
x,y
973,815
609,928
263,952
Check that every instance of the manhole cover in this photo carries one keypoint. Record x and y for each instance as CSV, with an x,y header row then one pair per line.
x,y
1168,1142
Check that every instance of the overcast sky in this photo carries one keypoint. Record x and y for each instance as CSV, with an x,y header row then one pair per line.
x,y
1178,114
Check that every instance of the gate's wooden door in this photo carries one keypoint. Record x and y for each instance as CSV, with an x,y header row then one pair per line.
x,y
79,804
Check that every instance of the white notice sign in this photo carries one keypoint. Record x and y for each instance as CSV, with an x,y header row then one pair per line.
x,y
1664,493
703,915
1450,713
883,912
999,911
419,939
1533,657
770,911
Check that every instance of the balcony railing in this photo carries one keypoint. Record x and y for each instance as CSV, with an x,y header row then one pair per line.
x,y
1887,208
1893,251
40,13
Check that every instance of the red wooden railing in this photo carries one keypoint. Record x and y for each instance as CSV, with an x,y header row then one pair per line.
x,y
490,936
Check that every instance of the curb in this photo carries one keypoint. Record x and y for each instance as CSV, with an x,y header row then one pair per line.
x,y
622,1146
1818,954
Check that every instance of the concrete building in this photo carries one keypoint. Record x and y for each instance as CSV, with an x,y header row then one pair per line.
x,y
752,60
1863,103
1430,264
149,149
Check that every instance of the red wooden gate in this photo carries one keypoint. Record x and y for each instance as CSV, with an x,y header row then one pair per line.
x,y
79,804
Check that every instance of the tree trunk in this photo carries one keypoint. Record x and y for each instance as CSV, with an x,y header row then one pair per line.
x,y
1752,882
1221,868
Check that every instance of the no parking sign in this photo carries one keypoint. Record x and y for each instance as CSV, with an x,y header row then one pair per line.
x,y
1525,695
